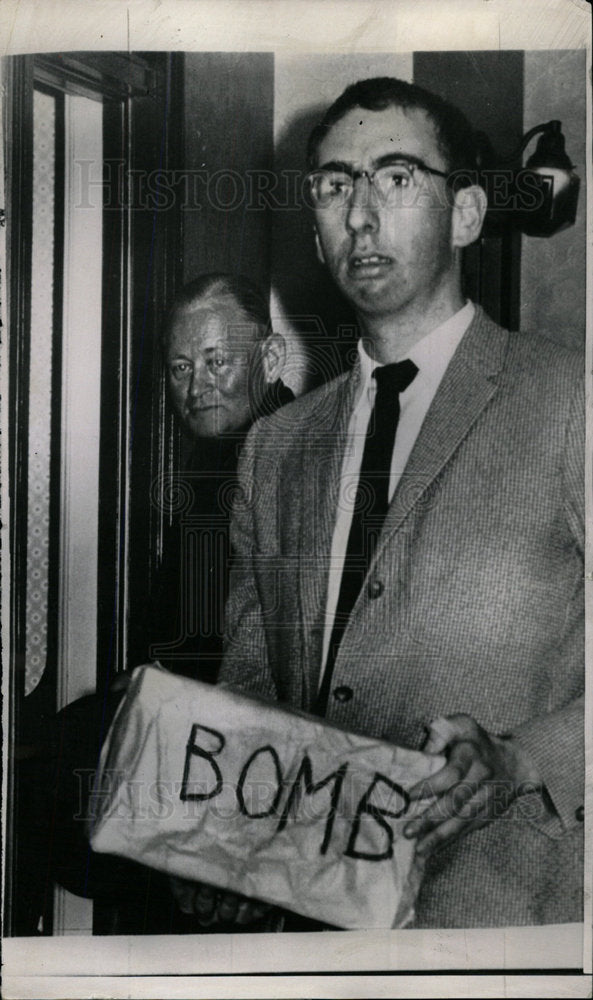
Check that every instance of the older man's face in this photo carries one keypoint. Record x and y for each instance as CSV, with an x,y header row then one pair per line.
x,y
208,365
386,254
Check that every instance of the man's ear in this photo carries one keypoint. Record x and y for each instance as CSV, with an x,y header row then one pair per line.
x,y
320,256
273,357
469,210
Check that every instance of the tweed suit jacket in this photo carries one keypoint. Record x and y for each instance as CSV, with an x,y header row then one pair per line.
x,y
473,602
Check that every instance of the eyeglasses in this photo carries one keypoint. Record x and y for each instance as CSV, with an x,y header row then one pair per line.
x,y
335,187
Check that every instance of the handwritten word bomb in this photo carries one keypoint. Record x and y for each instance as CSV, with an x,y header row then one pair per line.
x,y
289,797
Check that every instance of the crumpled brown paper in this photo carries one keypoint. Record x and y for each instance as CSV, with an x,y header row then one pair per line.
x,y
210,785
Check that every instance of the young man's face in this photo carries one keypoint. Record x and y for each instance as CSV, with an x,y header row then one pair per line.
x,y
387,253
208,367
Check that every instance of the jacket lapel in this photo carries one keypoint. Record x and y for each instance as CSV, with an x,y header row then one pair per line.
x,y
321,470
470,382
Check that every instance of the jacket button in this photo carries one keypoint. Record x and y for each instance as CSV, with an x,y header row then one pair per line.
x,y
375,589
579,813
343,693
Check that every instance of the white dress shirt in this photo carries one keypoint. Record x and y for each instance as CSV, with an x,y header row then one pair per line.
x,y
431,355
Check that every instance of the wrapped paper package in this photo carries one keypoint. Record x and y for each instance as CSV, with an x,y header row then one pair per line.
x,y
210,785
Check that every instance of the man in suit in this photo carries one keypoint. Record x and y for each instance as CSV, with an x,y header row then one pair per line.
x,y
464,633
223,364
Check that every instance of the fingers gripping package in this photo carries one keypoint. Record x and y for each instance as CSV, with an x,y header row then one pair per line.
x,y
210,785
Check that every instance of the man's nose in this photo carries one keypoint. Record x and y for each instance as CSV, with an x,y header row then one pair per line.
x,y
363,207
201,380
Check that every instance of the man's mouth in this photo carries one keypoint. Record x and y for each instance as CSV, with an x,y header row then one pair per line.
x,y
368,265
370,259
203,408
206,401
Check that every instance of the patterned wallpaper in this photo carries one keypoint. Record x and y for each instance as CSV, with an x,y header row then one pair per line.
x,y
40,388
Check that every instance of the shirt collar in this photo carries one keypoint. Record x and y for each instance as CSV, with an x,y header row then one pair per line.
x,y
431,355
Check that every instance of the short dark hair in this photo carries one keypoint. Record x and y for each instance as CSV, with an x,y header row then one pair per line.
x,y
226,289
455,136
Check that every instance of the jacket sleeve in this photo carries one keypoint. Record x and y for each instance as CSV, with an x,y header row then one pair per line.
x,y
246,662
555,742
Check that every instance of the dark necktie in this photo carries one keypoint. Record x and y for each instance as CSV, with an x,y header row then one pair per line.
x,y
370,505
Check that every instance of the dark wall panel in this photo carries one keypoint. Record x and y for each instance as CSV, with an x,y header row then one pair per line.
x,y
488,88
229,104
554,271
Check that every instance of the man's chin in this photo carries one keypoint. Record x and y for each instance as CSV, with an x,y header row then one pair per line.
x,y
373,292
370,299
210,430
203,427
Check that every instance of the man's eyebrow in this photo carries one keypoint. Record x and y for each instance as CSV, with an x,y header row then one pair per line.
x,y
388,159
340,166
